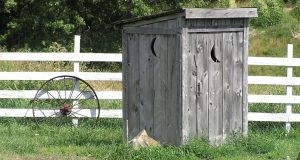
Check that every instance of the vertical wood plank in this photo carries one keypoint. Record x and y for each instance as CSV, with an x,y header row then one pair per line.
x,y
191,76
181,50
199,23
245,78
180,23
193,23
172,94
146,83
133,86
227,82
232,82
215,23
215,90
202,52
125,85
239,22
172,24
179,53
238,81
185,88
160,87
208,23
173,81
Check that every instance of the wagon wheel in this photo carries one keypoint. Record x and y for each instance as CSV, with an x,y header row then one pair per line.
x,y
65,98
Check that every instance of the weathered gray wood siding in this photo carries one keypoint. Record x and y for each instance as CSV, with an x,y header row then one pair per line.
x,y
173,92
153,86
215,23
195,84
215,75
232,82
213,88
125,85
245,77
146,83
132,91
203,46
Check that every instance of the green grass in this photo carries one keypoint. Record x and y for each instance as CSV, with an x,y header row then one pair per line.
x,y
21,138
25,103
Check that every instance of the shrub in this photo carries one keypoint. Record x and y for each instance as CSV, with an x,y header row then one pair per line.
x,y
290,1
3,48
193,4
296,11
269,13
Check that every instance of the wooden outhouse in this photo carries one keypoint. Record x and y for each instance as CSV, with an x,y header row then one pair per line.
x,y
185,74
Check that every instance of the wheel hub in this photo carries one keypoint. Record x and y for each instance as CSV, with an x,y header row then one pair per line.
x,y
65,109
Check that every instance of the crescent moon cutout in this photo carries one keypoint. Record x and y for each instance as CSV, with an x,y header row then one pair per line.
x,y
152,46
213,55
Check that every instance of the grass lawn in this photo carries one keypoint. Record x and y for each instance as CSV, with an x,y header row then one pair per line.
x,y
21,139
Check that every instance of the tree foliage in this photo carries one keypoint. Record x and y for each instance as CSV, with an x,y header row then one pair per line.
x,y
47,25
39,25
296,11
270,12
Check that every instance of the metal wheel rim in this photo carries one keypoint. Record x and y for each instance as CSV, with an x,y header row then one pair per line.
x,y
42,91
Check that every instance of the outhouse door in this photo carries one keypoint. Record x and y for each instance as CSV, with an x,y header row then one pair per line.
x,y
217,72
152,70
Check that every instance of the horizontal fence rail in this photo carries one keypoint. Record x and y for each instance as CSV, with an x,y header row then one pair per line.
x,y
96,76
29,94
287,81
274,117
80,57
271,61
107,113
282,99
271,80
74,57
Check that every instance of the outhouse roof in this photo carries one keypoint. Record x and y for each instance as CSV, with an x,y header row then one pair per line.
x,y
198,13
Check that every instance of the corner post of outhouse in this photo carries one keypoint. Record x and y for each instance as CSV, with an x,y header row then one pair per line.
x,y
245,78
183,126
125,86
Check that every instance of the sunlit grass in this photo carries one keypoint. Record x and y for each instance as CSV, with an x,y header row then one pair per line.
x,y
21,138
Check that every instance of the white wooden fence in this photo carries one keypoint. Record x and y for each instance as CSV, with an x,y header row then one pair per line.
x,y
77,57
289,62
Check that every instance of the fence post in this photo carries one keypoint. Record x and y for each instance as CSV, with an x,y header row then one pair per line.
x,y
76,70
289,88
